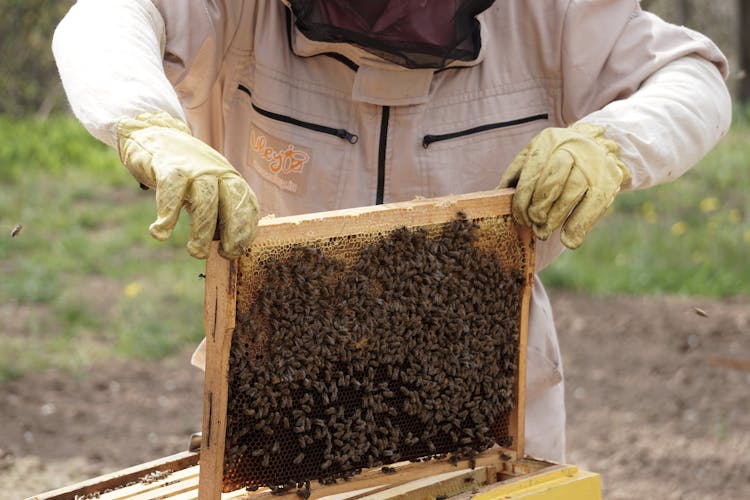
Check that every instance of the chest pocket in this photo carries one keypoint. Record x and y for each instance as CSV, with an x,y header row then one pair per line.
x,y
467,145
295,164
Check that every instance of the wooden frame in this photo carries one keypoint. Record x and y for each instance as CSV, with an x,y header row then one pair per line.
x,y
496,475
178,462
221,291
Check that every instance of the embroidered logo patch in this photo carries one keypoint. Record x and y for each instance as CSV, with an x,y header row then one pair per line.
x,y
279,162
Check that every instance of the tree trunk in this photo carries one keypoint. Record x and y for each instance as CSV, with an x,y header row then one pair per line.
x,y
743,82
685,12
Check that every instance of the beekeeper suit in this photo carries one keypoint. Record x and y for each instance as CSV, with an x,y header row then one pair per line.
x,y
328,104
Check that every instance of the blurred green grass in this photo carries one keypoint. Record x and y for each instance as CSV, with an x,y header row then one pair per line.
x,y
83,281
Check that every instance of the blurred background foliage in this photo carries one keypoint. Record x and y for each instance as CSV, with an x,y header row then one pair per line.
x,y
82,280
28,78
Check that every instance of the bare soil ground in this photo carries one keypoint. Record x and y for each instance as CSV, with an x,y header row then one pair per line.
x,y
658,396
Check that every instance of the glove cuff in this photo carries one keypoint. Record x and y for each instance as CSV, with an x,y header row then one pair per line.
x,y
596,134
130,150
127,126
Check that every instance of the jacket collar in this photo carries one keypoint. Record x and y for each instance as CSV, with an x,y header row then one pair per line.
x,y
378,81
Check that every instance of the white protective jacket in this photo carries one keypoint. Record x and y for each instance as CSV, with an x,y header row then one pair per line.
x,y
315,126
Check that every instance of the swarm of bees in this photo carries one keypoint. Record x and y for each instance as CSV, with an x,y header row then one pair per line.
x,y
407,351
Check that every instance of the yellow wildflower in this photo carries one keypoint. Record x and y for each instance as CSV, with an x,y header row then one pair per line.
x,y
679,228
710,204
132,289
649,212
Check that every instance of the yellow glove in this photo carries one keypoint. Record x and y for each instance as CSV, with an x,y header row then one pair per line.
x,y
160,152
565,177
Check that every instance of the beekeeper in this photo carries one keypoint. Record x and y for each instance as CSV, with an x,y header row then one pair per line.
x,y
235,109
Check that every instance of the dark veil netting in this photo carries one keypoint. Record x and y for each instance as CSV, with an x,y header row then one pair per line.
x,y
410,33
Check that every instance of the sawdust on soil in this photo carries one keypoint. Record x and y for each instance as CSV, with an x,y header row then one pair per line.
x,y
658,393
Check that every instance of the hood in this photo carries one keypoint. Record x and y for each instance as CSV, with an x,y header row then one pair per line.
x,y
414,34
396,45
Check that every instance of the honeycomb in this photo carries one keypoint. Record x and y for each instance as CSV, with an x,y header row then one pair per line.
x,y
368,349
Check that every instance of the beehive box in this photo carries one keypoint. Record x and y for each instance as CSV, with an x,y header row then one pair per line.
x,y
497,474
359,338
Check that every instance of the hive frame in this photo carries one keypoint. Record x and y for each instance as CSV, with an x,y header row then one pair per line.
x,y
221,291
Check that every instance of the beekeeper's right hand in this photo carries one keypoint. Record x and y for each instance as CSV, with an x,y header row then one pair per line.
x,y
161,153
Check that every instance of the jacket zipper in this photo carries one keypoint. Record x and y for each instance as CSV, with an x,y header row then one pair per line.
x,y
338,132
429,139
381,154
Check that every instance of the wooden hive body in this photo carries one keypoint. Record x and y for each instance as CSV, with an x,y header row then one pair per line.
x,y
240,340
